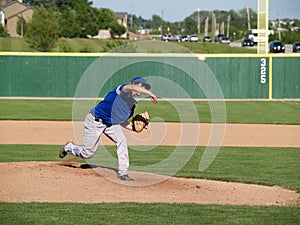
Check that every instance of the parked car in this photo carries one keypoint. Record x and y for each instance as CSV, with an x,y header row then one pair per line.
x,y
164,37
219,37
296,47
225,40
183,38
167,38
194,38
247,42
276,47
206,39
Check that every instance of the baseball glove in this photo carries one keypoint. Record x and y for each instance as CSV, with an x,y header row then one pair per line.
x,y
140,121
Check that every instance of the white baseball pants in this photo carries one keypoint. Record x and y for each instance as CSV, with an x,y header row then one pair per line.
x,y
92,132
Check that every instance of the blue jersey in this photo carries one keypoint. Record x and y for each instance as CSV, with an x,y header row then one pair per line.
x,y
116,107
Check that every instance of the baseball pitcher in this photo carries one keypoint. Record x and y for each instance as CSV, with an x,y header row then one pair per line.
x,y
107,116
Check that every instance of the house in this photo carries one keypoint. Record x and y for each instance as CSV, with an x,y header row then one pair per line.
x,y
10,12
122,20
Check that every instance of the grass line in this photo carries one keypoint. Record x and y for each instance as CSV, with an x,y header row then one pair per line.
x,y
252,112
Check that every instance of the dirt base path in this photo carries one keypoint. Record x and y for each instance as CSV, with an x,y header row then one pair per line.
x,y
172,134
74,182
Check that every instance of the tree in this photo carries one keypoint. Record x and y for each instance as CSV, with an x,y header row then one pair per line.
x,y
40,3
76,18
86,18
190,25
68,26
237,26
117,30
43,30
106,18
157,22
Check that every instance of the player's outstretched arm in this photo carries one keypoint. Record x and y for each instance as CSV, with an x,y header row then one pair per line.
x,y
141,90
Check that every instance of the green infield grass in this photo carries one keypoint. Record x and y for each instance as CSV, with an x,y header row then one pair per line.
x,y
134,213
259,112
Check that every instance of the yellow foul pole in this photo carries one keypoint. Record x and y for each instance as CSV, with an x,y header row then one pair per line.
x,y
262,26
263,37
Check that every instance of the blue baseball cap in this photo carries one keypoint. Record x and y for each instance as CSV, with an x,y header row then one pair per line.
x,y
142,81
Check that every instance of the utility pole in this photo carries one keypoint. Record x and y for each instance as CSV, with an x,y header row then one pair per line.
x,y
213,24
228,25
222,28
131,19
198,27
248,16
161,27
279,24
206,26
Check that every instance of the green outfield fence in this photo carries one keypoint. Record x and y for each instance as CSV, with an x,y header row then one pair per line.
x,y
240,76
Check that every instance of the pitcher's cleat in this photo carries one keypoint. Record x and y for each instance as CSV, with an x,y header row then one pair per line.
x,y
125,177
63,152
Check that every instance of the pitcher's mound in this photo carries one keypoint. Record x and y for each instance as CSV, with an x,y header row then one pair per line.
x,y
75,182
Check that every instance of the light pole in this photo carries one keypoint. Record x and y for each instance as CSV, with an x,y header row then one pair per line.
x,y
131,19
198,27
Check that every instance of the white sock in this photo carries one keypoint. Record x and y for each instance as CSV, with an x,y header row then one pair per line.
x,y
72,149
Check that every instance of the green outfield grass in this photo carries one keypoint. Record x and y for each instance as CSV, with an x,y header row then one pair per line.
x,y
260,112
133,213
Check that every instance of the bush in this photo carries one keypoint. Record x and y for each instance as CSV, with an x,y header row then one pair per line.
x,y
3,31
64,46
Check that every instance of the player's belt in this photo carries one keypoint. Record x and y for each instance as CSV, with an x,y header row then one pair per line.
x,y
97,119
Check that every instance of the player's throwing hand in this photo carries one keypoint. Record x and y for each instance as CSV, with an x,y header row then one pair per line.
x,y
154,99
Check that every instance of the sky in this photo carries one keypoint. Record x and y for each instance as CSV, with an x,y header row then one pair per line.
x,y
178,10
